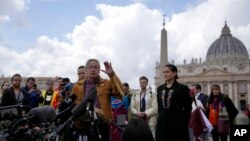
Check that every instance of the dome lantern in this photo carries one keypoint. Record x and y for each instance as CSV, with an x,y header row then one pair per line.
x,y
226,30
226,49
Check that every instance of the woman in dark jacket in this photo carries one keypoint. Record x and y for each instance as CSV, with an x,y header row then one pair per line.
x,y
174,108
217,101
15,95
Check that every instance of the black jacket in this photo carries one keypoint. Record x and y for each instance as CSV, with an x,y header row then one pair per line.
x,y
231,109
9,97
172,123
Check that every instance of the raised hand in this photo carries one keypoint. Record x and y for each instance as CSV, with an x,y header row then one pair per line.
x,y
108,69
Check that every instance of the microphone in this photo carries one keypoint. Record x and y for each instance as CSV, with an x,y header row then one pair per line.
x,y
67,102
42,114
78,109
66,89
65,108
37,115
61,127
85,103
69,86
170,94
71,98
19,122
91,99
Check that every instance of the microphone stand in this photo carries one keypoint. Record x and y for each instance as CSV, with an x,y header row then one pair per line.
x,y
93,118
14,106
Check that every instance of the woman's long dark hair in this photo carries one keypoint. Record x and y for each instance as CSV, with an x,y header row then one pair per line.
x,y
28,80
211,97
137,130
173,68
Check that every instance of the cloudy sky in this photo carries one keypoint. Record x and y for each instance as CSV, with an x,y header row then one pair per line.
x,y
53,37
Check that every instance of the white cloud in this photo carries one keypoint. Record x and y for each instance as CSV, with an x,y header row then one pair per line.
x,y
129,37
11,7
117,38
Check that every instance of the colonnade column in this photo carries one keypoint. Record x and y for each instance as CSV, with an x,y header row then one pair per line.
x,y
208,88
235,98
248,92
230,90
222,87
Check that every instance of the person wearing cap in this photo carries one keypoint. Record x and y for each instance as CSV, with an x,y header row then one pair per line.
x,y
47,94
174,108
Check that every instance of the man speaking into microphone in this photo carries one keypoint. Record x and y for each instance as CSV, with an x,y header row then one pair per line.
x,y
105,89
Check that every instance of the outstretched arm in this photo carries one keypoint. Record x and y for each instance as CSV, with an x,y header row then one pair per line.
x,y
115,82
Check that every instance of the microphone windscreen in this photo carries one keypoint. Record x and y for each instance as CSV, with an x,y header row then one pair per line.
x,y
79,107
67,102
42,114
90,98
69,86
73,97
92,95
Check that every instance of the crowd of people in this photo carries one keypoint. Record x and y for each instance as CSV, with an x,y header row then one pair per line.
x,y
164,115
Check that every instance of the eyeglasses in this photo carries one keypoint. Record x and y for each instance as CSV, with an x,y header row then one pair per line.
x,y
93,67
17,80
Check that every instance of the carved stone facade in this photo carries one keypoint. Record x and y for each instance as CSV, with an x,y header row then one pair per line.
x,y
227,64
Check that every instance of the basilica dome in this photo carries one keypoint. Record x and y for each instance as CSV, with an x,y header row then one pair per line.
x,y
226,49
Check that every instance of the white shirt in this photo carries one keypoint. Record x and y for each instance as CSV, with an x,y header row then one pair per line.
x,y
197,95
199,104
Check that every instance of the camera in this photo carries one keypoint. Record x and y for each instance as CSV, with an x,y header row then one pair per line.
x,y
26,127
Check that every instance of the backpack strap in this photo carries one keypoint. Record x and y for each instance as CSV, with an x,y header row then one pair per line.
x,y
195,102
